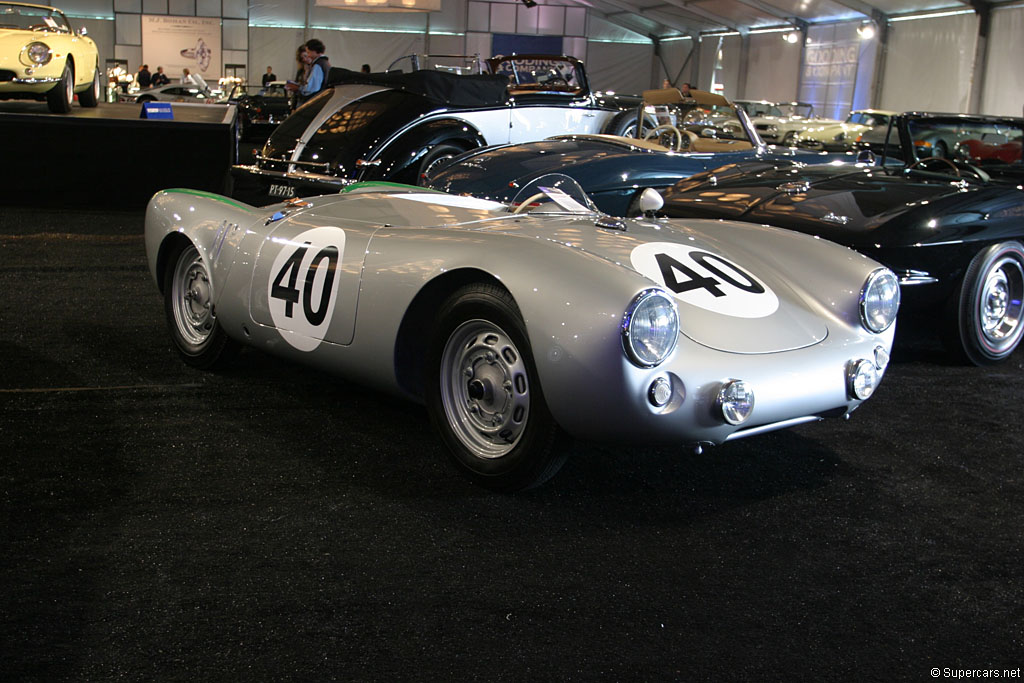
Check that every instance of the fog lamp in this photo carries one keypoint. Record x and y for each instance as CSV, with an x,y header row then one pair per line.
x,y
861,379
736,401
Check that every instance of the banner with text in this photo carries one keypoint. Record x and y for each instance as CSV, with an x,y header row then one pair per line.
x,y
177,43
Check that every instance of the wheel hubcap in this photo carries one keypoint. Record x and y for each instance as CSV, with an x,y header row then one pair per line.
x,y
191,298
1000,304
484,388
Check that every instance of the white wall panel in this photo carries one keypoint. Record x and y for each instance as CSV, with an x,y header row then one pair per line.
x,y
503,18
208,8
1004,75
622,67
478,44
235,34
773,68
575,47
235,9
154,6
182,8
526,19
128,29
929,64
720,63
128,6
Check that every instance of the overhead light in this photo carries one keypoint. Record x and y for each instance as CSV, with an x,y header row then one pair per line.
x,y
792,37
866,30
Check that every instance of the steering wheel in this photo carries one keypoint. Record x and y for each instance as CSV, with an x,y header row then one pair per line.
x,y
663,129
922,162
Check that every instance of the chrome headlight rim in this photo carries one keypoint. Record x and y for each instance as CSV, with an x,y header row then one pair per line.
x,y
629,336
37,53
867,318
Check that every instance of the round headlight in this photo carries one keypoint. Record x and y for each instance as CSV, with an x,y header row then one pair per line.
x,y
879,300
736,401
862,378
38,53
650,328
771,129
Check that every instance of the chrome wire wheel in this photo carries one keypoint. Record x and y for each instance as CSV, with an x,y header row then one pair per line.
x,y
191,298
484,388
1000,304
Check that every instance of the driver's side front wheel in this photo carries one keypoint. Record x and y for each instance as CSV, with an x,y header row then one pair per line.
x,y
484,396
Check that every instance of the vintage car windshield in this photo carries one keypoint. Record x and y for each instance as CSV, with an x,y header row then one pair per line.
x,y
32,18
539,73
691,125
761,109
992,146
553,193
867,119
275,91
799,110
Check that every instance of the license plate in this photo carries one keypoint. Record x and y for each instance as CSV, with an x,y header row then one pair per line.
x,y
285,191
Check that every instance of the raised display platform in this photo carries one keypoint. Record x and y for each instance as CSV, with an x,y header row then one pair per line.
x,y
108,156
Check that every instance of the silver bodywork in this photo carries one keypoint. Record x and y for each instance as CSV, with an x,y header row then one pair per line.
x,y
402,249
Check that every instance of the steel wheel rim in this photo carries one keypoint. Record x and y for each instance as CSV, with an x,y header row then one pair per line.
x,y
1000,304
484,388
69,84
191,298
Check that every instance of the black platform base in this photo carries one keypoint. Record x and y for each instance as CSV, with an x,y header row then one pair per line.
x,y
108,156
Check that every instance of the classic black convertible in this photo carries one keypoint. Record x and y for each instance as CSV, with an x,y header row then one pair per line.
x,y
396,125
950,223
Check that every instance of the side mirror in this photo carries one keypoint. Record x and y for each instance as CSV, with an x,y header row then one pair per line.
x,y
82,32
650,201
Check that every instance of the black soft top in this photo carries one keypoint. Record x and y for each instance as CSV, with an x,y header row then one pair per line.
x,y
483,90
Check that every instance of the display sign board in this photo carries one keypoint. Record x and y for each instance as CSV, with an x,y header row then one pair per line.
x,y
156,110
177,43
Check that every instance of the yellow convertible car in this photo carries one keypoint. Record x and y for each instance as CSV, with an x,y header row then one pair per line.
x,y
42,58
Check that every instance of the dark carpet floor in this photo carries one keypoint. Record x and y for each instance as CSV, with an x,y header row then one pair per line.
x,y
271,523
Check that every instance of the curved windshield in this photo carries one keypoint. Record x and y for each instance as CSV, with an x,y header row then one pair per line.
x,y
553,193
32,18
868,119
286,136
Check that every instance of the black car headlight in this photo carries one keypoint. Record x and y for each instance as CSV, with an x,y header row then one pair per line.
x,y
879,300
38,53
650,328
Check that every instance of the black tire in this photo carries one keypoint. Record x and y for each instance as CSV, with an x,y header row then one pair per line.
x,y
483,394
790,139
60,96
91,96
145,98
941,150
199,338
436,158
624,124
984,324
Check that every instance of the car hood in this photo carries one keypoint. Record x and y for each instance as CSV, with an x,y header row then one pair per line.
x,y
733,292
847,204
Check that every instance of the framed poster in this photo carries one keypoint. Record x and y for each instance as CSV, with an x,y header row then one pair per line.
x,y
177,43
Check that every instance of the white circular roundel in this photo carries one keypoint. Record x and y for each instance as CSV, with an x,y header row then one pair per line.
x,y
702,278
303,286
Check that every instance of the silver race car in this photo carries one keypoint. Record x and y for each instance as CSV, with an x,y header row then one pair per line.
x,y
521,326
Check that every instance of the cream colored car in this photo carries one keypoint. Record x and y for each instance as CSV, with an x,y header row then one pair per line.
x,y
43,58
841,137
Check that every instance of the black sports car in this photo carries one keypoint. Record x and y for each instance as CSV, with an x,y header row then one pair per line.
x,y
260,106
396,125
951,226
679,136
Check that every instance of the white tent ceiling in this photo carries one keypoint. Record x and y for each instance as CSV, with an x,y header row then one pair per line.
x,y
670,18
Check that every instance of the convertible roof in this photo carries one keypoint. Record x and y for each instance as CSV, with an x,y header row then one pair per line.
x,y
474,90
675,96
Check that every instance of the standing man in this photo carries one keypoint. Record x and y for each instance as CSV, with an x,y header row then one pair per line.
x,y
144,78
160,78
268,77
319,66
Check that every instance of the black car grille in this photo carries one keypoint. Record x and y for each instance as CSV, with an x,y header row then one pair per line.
x,y
6,75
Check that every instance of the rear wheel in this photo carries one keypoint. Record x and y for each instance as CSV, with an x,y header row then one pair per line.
x,y
435,158
624,124
484,396
985,321
91,97
61,95
188,306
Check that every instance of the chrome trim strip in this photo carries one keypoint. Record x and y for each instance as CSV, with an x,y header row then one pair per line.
x,y
772,427
916,277
33,81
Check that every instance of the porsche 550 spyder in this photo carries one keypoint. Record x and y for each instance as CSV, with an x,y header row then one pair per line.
x,y
523,326
42,58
